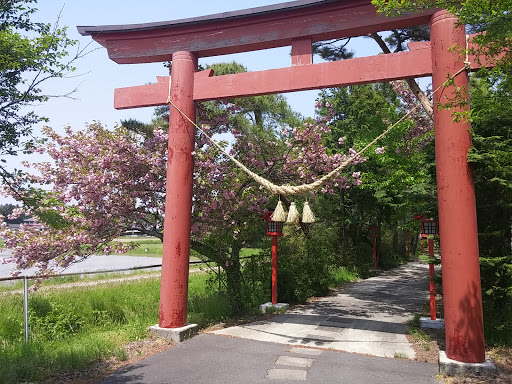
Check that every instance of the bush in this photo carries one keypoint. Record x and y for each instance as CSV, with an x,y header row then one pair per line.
x,y
497,299
304,264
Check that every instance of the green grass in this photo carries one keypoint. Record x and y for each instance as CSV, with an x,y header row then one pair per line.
x,y
343,275
71,328
420,337
152,247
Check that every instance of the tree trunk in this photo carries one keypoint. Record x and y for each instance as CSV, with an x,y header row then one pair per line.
x,y
395,241
414,245
234,281
402,247
342,239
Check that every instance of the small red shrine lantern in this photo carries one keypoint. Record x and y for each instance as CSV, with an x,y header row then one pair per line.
x,y
274,228
428,227
373,231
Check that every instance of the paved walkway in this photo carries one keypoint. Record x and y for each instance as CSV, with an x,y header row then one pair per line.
x,y
368,317
307,344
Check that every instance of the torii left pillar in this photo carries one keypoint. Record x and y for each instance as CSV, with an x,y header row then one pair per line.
x,y
172,321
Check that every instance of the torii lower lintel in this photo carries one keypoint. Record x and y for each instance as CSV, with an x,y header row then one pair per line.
x,y
372,69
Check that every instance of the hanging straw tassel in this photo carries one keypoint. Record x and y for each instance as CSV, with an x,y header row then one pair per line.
x,y
307,214
293,214
279,214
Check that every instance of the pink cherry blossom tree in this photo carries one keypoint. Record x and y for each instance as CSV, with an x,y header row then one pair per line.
x,y
104,182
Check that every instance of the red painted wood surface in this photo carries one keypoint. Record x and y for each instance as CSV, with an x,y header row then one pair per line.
x,y
363,70
302,52
456,202
477,61
432,283
178,198
274,270
249,30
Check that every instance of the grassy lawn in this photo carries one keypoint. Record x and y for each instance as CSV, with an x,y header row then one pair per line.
x,y
152,247
71,328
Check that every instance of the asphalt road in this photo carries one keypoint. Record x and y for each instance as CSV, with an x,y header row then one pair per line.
x,y
215,359
93,263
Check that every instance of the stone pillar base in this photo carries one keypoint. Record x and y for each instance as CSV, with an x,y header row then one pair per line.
x,y
174,334
452,367
427,322
274,308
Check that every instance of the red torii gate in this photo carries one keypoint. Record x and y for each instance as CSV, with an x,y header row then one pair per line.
x,y
298,24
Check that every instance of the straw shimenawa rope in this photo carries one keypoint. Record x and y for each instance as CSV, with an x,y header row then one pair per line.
x,y
287,190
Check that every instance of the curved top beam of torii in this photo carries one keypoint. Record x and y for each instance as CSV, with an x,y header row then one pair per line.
x,y
246,30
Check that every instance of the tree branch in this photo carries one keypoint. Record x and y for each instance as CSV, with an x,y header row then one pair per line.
x,y
413,86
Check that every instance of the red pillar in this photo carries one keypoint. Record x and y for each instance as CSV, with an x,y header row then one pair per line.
x,y
274,270
432,283
456,202
178,199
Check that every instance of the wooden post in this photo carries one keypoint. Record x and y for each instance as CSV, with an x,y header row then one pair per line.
x,y
456,199
274,270
178,199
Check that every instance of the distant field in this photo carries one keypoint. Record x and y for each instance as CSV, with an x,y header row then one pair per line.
x,y
152,247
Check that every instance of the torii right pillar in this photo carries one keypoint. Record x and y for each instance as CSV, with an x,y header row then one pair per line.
x,y
456,198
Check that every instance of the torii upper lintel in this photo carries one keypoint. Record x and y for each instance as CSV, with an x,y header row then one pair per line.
x,y
246,30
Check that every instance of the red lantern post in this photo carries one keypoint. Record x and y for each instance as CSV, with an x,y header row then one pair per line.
x,y
274,229
374,232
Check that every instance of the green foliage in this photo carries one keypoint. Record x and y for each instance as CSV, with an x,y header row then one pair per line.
x,y
397,184
305,264
52,320
31,53
491,158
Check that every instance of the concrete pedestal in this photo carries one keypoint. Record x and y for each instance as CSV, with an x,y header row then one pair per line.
x,y
271,308
452,367
175,334
427,322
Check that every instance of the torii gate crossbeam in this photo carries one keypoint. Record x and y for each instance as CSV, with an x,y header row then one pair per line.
x,y
298,24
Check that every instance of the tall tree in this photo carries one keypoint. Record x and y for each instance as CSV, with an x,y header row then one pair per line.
x,y
31,53
491,16
392,182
